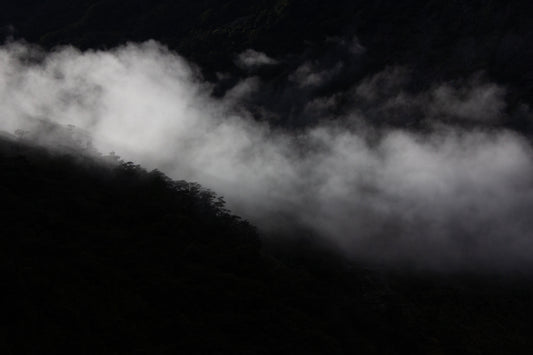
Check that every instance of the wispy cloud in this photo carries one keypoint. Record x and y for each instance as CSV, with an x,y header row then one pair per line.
x,y
252,59
445,197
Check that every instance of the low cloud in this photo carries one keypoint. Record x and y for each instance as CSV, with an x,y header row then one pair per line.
x,y
446,197
475,101
307,75
250,59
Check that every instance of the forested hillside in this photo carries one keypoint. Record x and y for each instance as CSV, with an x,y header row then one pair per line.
x,y
439,39
102,256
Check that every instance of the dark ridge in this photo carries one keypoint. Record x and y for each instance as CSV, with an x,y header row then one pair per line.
x,y
442,40
101,256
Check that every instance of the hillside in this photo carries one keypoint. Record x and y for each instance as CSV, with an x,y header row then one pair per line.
x,y
440,40
104,257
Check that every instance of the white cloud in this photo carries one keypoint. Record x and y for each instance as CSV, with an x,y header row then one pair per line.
x,y
444,198
306,75
250,59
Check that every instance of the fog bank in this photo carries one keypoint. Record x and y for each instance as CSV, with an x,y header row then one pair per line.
x,y
449,196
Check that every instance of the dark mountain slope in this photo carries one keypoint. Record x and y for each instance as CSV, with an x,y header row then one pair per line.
x,y
104,257
442,40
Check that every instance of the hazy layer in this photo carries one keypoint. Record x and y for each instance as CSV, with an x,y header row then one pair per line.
x,y
446,197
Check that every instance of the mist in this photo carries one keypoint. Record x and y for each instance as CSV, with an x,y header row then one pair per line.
x,y
454,195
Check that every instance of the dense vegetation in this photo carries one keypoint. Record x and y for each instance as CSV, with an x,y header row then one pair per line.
x,y
441,39
101,256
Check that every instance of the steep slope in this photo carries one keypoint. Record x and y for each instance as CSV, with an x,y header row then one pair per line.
x,y
104,257
440,39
